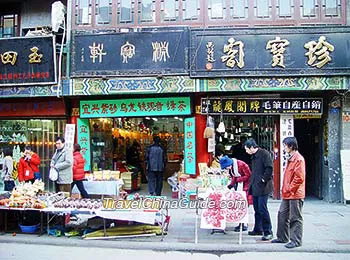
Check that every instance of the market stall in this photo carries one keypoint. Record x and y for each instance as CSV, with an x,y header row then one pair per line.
x,y
32,198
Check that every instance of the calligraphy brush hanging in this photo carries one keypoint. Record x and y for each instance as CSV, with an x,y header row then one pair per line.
x,y
209,130
221,127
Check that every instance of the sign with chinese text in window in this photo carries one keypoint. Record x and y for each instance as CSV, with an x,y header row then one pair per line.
x,y
255,52
27,61
135,107
190,146
84,141
262,106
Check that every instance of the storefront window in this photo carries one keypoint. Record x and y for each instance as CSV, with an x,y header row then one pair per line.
x,y
40,134
111,137
8,25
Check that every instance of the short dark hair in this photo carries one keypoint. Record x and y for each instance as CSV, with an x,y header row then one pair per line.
x,y
156,139
77,148
251,143
7,151
58,138
28,147
291,142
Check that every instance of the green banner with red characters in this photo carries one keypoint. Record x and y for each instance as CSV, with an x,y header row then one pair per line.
x,y
135,107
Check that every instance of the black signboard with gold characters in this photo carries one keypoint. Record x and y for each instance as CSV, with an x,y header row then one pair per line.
x,y
227,106
27,61
271,52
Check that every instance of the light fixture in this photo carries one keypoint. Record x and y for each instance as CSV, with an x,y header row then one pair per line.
x,y
154,119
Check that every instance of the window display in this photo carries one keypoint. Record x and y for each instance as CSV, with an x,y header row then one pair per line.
x,y
38,133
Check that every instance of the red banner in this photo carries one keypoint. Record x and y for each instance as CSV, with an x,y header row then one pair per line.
x,y
35,108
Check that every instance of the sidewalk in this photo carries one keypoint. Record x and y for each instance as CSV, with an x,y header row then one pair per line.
x,y
326,229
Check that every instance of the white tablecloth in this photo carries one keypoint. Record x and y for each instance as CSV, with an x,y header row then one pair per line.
x,y
101,187
147,217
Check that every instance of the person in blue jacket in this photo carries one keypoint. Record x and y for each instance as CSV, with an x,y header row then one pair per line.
x,y
156,160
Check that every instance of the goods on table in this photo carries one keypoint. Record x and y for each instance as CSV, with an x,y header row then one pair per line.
x,y
24,195
78,203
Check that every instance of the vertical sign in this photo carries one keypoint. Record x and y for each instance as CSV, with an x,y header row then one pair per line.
x,y
69,136
84,141
287,130
190,146
345,168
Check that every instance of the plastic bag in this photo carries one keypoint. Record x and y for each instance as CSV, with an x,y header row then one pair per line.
x,y
53,174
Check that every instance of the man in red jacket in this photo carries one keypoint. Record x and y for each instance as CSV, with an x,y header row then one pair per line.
x,y
290,219
28,166
78,171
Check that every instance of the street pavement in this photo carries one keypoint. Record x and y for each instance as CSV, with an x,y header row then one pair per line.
x,y
326,230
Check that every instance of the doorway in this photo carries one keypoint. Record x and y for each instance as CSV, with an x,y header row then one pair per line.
x,y
309,134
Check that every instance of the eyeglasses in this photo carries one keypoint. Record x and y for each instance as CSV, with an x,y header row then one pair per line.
x,y
58,143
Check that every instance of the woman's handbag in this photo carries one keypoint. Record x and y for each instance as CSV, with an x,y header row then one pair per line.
x,y
53,174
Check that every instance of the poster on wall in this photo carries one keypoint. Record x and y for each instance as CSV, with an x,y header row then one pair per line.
x,y
287,130
84,141
345,168
190,146
69,135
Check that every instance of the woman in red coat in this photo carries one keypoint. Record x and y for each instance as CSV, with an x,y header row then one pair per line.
x,y
244,177
78,171
28,166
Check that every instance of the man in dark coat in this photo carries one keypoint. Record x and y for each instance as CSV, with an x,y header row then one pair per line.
x,y
260,187
155,159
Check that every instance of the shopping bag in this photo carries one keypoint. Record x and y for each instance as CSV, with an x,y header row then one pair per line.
x,y
240,186
53,174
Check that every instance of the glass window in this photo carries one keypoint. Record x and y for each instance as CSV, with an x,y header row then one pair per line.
x,y
9,25
191,9
147,11
125,11
332,7
308,8
216,9
262,8
170,10
83,12
40,134
103,11
285,8
239,8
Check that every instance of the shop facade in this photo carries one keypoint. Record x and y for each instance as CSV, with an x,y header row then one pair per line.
x,y
259,70
30,111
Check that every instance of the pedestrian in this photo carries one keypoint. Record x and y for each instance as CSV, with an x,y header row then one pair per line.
x,y
240,173
78,171
156,160
7,176
260,187
133,158
290,219
62,161
28,166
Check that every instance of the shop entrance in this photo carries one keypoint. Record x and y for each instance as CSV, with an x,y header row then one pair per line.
x,y
239,128
112,139
308,134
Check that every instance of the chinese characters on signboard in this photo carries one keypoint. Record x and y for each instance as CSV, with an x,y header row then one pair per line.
x,y
262,106
264,52
132,53
135,107
190,145
84,141
27,61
